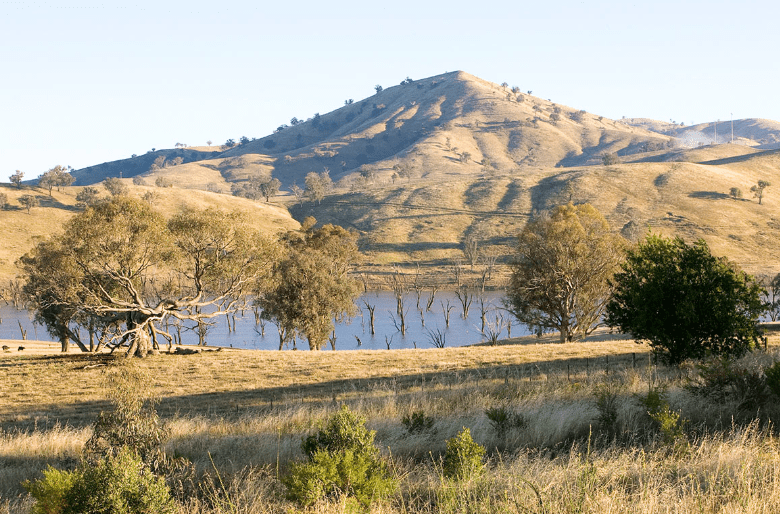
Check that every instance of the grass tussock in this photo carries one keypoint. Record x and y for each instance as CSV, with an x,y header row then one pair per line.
x,y
565,431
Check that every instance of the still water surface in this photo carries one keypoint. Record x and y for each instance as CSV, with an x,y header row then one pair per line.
x,y
421,328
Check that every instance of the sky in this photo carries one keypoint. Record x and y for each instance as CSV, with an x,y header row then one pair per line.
x,y
85,82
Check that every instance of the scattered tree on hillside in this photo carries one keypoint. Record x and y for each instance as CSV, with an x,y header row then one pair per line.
x,y
349,101
17,178
378,88
465,157
608,159
209,142
150,197
56,177
119,262
3,201
28,202
685,301
138,180
311,283
735,193
561,271
471,249
158,164
163,182
298,192
230,143
318,185
87,197
270,188
115,186
244,140
177,160
758,189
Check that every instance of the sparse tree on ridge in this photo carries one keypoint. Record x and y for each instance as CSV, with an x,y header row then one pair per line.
x,y
17,178
378,88
561,271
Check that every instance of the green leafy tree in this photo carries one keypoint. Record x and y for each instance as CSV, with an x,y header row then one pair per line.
x,y
735,193
28,202
684,301
17,178
311,283
561,271
463,458
609,159
121,263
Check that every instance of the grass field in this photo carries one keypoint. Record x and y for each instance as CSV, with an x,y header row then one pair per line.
x,y
247,411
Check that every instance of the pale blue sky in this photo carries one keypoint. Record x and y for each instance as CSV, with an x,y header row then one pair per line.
x,y
84,82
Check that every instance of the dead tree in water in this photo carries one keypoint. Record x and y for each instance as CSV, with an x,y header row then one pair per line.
x,y
371,309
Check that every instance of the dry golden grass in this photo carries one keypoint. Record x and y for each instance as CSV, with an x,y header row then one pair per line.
x,y
247,411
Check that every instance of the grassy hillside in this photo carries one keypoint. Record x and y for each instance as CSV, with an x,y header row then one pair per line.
x,y
21,231
425,219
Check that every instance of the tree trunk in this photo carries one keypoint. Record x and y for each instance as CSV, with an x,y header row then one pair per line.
x,y
65,342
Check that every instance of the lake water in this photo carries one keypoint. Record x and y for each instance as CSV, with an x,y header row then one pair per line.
x,y
421,329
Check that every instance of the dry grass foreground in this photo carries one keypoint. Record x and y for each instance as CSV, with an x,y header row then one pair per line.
x,y
248,410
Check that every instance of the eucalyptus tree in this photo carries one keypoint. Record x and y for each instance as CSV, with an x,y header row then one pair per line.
x,y
121,263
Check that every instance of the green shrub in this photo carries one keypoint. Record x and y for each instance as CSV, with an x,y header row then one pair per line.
x,y
344,430
49,492
347,473
116,484
721,380
342,460
417,422
502,420
670,424
773,378
463,458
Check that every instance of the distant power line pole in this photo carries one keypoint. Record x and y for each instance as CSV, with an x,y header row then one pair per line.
x,y
716,131
732,127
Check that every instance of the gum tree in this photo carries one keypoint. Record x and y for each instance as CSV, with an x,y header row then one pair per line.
x,y
120,263
561,271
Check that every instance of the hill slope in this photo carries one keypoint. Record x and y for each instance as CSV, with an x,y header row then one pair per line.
x,y
21,231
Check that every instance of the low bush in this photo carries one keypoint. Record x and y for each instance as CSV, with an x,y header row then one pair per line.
x,y
417,422
463,458
503,419
119,484
607,406
342,460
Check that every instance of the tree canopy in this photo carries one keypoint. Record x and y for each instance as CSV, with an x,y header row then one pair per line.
x,y
120,264
55,177
561,270
311,284
685,301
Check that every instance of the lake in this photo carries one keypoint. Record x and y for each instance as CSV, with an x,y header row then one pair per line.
x,y
422,329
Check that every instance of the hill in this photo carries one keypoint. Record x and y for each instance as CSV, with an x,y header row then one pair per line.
x,y
420,166
21,231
